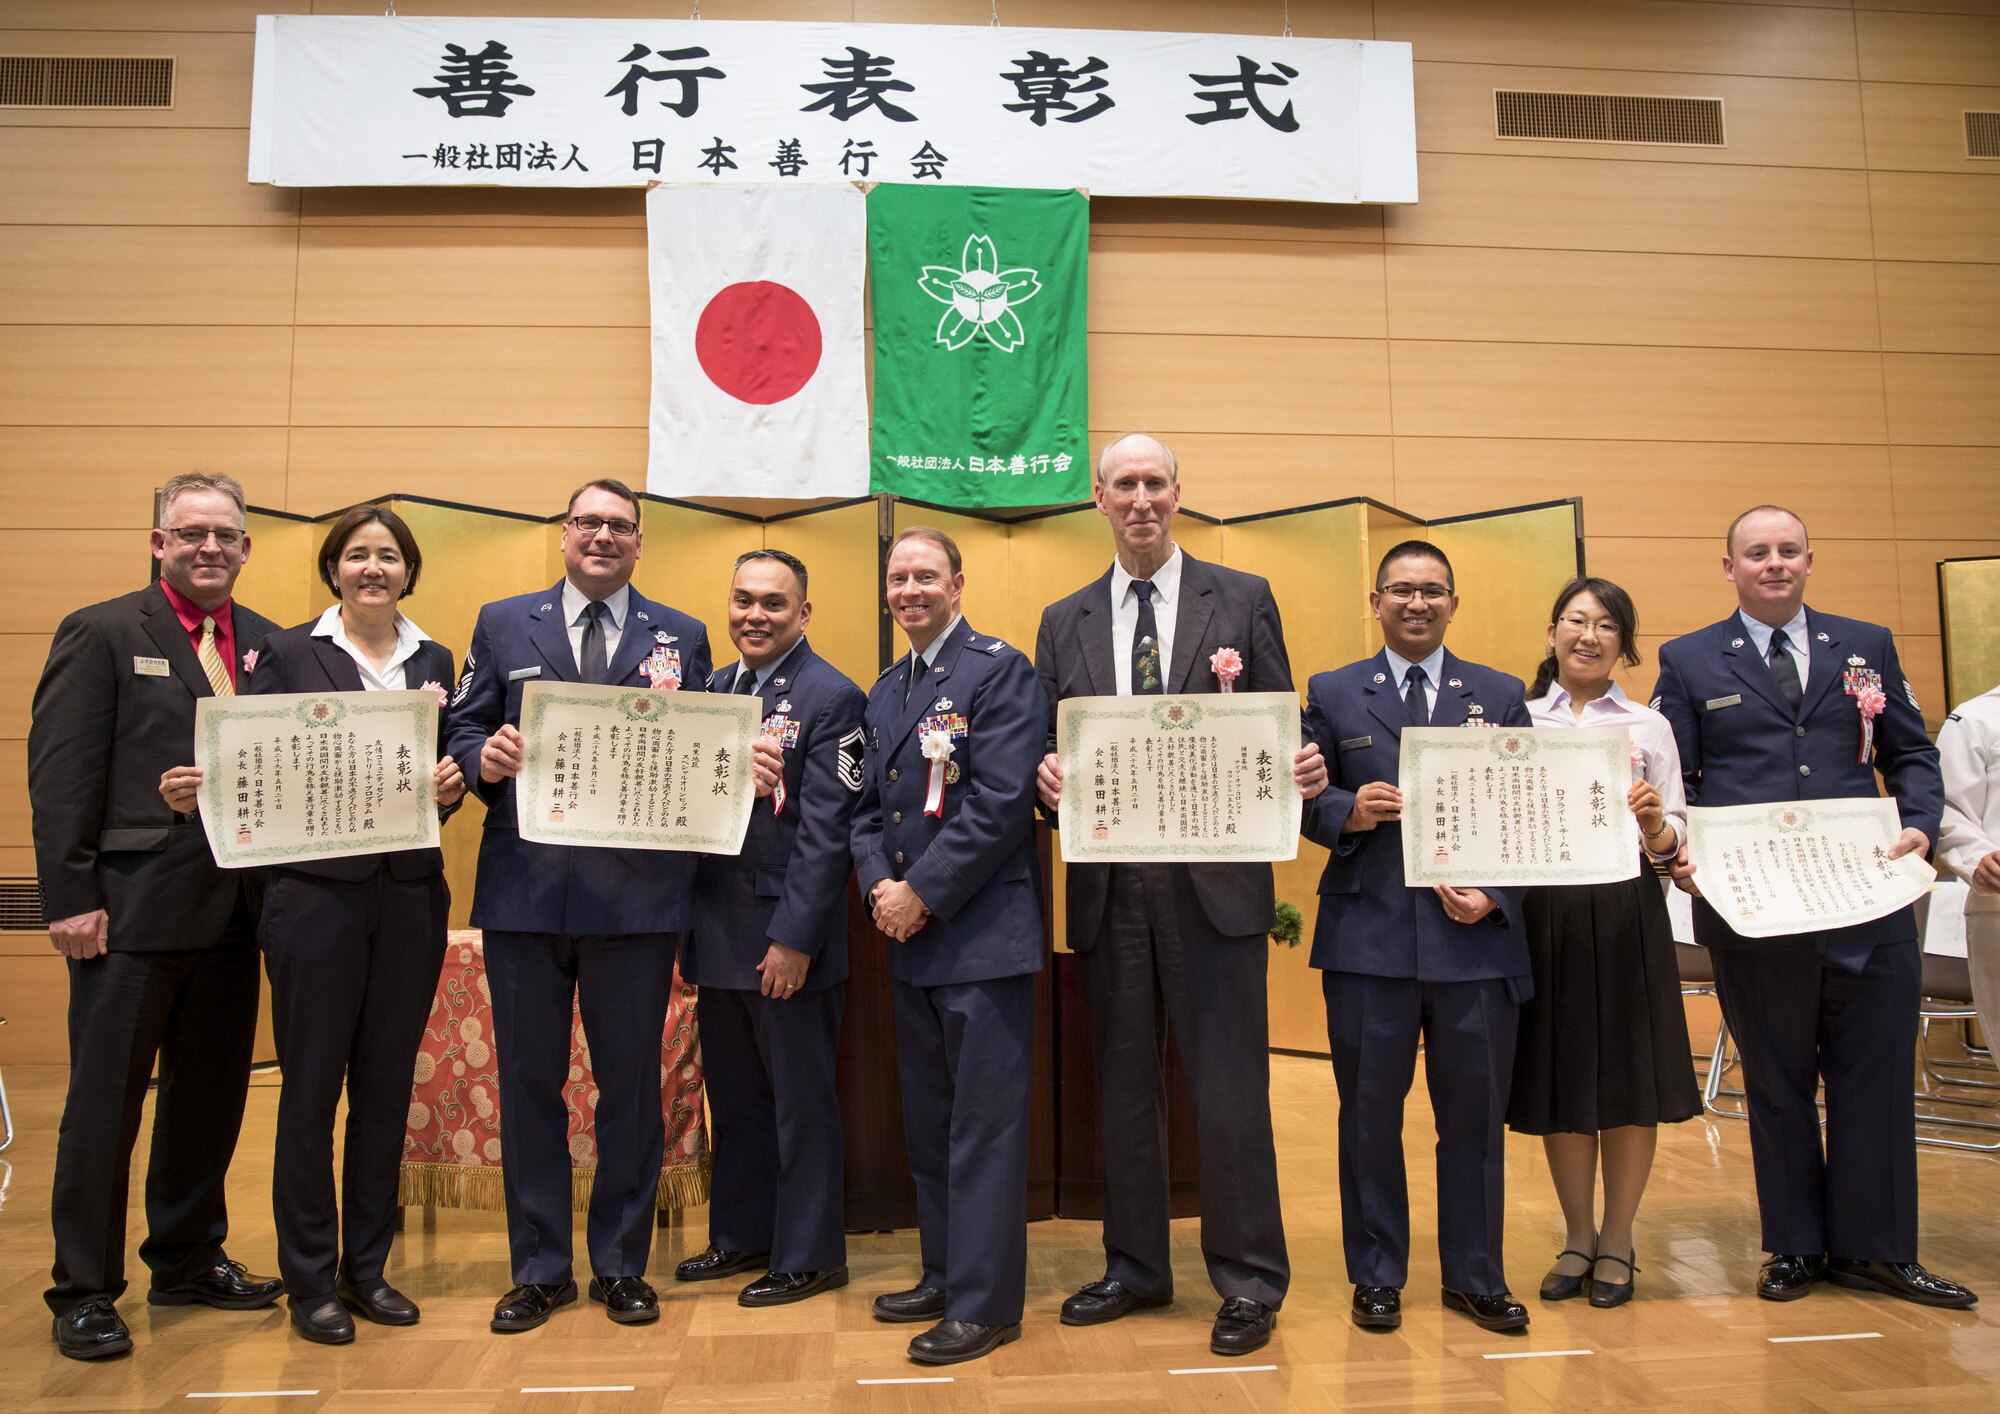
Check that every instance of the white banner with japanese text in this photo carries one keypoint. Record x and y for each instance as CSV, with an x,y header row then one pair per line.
x,y
342,100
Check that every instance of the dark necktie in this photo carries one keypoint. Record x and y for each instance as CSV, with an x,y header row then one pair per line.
x,y
1146,675
1785,669
746,681
1415,708
591,659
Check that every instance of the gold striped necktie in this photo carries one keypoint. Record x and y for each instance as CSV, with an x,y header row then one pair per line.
x,y
211,661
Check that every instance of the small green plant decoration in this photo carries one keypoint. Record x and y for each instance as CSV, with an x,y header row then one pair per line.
x,y
1289,926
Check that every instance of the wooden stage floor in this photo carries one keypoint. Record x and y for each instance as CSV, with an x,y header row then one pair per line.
x,y
1695,1338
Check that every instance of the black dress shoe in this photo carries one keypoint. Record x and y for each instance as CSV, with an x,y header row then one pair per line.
x,y
712,1264
1606,1294
1106,1300
949,1342
225,1285
919,1303
528,1305
627,1300
91,1330
1905,1279
1378,1308
378,1301
1787,1277
1496,1312
783,1288
1241,1326
1560,1286
324,1322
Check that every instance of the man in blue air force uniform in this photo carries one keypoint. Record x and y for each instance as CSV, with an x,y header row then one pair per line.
x,y
769,951
1768,705
944,853
1445,965
563,922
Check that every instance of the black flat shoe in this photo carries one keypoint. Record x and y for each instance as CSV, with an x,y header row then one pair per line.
x,y
528,1306
1787,1277
1241,1326
1106,1300
1378,1308
225,1286
1560,1286
630,1301
949,1342
1907,1280
91,1330
379,1302
715,1263
783,1288
919,1303
1606,1294
324,1322
1495,1312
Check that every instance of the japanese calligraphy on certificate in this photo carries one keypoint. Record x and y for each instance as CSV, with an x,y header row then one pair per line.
x,y
1179,779
1803,867
628,768
1517,806
303,775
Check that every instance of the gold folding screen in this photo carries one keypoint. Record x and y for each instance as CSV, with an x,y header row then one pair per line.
x,y
1969,603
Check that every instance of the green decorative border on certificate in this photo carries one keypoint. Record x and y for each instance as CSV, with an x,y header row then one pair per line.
x,y
644,707
1152,715
1514,746
1792,818
323,711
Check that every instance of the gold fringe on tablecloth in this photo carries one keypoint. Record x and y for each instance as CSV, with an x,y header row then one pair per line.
x,y
478,1186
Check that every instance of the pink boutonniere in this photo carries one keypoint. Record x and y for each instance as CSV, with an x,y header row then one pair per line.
x,y
1871,700
444,698
250,661
1638,761
1227,665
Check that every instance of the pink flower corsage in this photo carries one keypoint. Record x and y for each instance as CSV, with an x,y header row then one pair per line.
x,y
1227,665
1638,762
444,698
250,661
1871,701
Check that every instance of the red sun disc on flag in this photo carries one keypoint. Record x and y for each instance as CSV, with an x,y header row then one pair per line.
x,y
759,341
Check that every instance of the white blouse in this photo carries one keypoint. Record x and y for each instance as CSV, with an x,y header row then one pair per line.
x,y
392,677
1651,736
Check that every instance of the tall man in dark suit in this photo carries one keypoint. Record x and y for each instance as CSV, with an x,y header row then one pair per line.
x,y
1443,967
161,943
1766,706
570,924
1173,945
769,952
944,852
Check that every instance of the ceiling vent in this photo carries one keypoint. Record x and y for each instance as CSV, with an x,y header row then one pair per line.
x,y
1982,134
60,81
1608,117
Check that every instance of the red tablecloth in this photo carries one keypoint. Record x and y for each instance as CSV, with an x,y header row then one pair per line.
x,y
451,1153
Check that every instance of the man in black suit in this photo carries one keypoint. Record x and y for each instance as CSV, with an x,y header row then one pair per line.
x,y
160,942
1174,945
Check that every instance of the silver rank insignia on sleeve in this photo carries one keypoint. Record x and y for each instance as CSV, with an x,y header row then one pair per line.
x,y
850,760
464,681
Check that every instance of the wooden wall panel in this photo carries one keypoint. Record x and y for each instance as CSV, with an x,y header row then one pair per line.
x,y
211,77
1337,19
478,279
1939,307
443,377
1919,216
135,177
1198,220
1241,384
21,658
1678,584
1583,204
1951,49
1944,399
526,469
1921,127
35,982
1242,473
185,16
32,600
1303,289
64,478
1916,568
15,827
463,208
52,374
148,274
1940,491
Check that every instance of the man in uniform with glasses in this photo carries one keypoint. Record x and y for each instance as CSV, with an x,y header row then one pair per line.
x,y
595,925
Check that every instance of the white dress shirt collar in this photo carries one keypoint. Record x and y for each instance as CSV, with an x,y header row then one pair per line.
x,y
1433,666
574,602
391,678
1166,582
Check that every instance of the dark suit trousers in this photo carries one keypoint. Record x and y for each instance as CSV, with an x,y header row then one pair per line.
x,y
354,967
769,1066
1797,1019
196,1011
965,1055
1468,1030
1158,966
622,984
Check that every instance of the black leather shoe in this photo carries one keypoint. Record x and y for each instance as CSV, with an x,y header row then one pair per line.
x,y
1378,1308
919,1303
1241,1326
1606,1294
783,1288
91,1330
528,1306
712,1264
378,1301
324,1322
1560,1286
627,1300
1497,1312
1905,1279
1787,1277
225,1285
949,1342
1106,1300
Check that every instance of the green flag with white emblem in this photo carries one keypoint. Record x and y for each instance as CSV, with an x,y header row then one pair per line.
x,y
981,391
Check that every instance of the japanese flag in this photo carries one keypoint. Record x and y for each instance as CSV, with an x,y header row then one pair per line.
x,y
757,380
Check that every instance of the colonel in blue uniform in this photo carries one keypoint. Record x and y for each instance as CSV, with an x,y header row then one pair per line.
x,y
1398,964
594,925
769,951
944,853
1772,704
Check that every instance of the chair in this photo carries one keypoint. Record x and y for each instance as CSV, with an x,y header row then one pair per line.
x,y
1697,972
6,1115
1948,998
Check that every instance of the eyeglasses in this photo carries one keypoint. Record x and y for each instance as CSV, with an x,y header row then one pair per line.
x,y
588,526
1576,623
196,536
1404,593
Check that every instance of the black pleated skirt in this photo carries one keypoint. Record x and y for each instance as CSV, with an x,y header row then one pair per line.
x,y
1604,1040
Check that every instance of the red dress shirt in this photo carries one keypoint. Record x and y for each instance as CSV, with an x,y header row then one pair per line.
x,y
191,614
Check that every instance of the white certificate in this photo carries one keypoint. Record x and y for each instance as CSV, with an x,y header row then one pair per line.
x,y
1775,870
1517,806
1170,780
316,775
628,768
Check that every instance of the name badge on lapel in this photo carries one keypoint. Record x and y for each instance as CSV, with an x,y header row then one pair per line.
x,y
1735,699
151,667
1355,743
519,673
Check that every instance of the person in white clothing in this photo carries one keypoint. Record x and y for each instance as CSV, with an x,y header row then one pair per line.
x,y
1969,841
